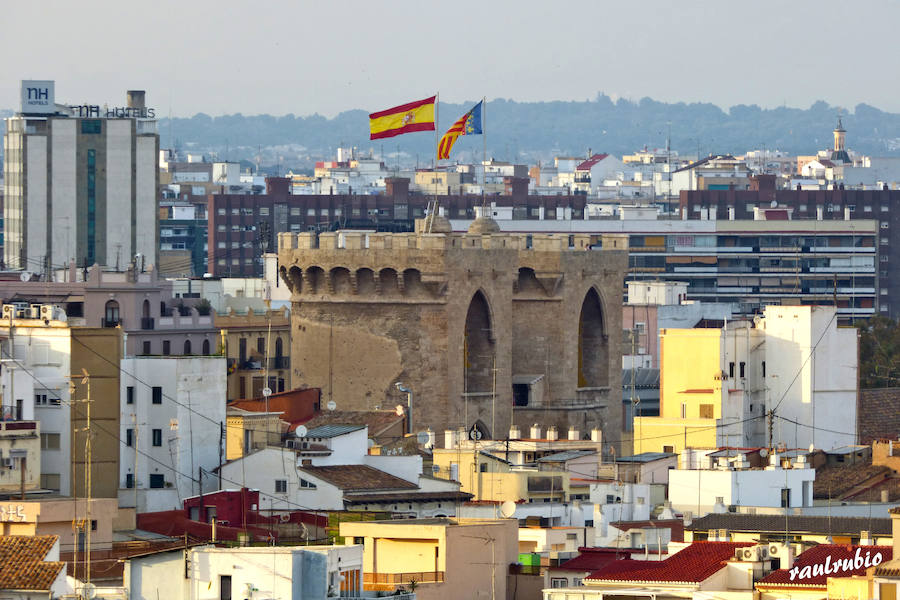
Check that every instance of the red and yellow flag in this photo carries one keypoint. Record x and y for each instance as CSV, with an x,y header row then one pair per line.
x,y
468,124
406,118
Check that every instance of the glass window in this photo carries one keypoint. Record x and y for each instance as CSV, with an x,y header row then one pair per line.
x,y
129,395
157,437
129,437
157,480
264,211
49,441
281,486
157,394
91,126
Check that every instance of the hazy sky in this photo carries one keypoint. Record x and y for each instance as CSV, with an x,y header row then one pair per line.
x,y
228,56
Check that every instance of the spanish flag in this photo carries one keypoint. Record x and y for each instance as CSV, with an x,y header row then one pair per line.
x,y
468,124
406,118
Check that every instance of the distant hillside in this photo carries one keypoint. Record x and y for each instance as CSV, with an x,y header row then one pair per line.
x,y
531,131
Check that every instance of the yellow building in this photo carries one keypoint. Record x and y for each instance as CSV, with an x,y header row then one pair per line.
x,y
446,558
20,450
256,344
707,378
441,182
489,477
246,431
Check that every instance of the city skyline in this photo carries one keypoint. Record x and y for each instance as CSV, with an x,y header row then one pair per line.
x,y
214,60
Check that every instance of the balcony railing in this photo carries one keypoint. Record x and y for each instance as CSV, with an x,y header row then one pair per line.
x,y
110,322
147,323
403,578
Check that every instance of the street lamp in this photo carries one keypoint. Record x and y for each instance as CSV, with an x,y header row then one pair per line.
x,y
409,403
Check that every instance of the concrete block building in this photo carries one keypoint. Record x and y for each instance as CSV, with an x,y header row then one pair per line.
x,y
485,329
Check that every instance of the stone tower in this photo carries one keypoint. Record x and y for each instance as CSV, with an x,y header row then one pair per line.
x,y
487,329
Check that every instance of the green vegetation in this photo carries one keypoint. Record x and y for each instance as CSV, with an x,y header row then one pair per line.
x,y
879,353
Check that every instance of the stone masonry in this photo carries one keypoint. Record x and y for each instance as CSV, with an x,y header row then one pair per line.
x,y
487,329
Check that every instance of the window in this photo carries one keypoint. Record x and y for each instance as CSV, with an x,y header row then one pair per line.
x,y
884,240
281,486
129,395
706,411
307,484
129,480
743,369
885,208
242,351
867,208
785,498
157,480
558,582
205,347
167,348
683,410
157,437
50,481
146,348
111,317
221,212
46,398
883,258
669,449
187,347
89,126
261,345
264,211
49,441
157,395
763,368
295,211
129,437
731,370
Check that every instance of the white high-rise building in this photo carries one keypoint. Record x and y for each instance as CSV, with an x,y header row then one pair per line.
x,y
80,183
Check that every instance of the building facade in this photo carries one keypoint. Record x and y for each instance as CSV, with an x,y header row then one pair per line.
x,y
80,185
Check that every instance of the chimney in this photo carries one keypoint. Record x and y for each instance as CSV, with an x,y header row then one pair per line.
x,y
449,438
535,432
515,433
552,433
573,434
596,435
135,98
820,212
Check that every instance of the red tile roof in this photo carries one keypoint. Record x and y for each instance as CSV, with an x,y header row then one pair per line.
x,y
817,556
694,564
878,414
298,406
593,559
586,165
22,565
676,525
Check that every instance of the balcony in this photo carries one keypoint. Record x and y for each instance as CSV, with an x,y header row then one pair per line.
x,y
110,322
394,579
147,323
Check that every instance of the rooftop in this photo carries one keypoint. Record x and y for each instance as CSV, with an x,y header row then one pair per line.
x,y
878,414
358,477
795,523
644,457
22,565
567,455
694,564
330,431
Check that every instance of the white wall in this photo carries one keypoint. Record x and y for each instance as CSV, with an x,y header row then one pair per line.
x,y
193,391
693,488
118,192
64,187
146,214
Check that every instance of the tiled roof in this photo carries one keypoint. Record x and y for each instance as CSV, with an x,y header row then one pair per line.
x,y
297,405
644,457
593,559
22,565
878,417
567,455
817,556
823,525
586,165
377,420
358,477
835,481
415,496
330,431
675,525
694,564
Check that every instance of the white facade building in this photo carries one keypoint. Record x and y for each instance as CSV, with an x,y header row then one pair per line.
x,y
172,430
34,385
286,572
80,184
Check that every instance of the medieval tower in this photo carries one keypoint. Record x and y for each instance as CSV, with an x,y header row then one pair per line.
x,y
487,329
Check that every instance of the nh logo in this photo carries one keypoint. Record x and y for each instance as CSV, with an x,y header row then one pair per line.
x,y
36,93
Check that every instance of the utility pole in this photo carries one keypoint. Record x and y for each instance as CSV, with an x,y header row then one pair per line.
x,y
86,381
770,418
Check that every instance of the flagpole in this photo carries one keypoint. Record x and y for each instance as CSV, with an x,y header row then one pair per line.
x,y
484,147
434,177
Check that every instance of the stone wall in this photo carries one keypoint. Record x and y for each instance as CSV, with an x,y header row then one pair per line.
x,y
459,319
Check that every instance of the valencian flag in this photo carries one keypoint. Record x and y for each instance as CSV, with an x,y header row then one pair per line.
x,y
406,118
468,124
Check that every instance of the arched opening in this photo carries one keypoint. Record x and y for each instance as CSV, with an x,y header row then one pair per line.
x,y
111,316
365,281
295,279
412,282
340,281
145,312
478,346
479,431
187,348
527,282
315,278
389,285
279,354
593,349
206,348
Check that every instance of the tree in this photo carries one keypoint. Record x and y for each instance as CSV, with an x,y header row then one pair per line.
x,y
879,353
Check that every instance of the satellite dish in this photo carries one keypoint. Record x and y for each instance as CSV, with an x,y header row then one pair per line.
x,y
399,410
304,532
508,509
89,590
763,452
301,431
774,204
422,437
267,391
475,434
370,443
25,276
812,448
331,405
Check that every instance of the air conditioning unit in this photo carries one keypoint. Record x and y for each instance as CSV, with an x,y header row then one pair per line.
x,y
6,462
34,311
748,553
9,311
739,553
776,550
723,534
47,311
762,553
